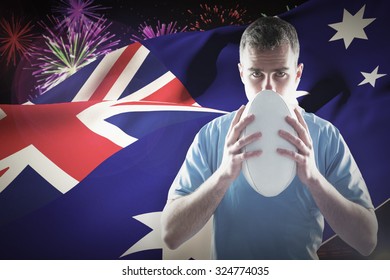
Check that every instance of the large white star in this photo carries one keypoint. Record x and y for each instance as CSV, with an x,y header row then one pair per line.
x,y
371,77
351,27
198,247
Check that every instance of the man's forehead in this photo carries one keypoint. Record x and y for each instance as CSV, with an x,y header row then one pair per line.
x,y
280,57
274,69
280,50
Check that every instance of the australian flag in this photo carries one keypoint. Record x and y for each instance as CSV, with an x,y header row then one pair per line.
x,y
86,167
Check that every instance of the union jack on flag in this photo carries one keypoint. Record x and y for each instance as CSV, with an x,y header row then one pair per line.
x,y
85,168
68,132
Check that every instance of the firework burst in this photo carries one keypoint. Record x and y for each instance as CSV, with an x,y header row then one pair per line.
x,y
77,13
64,54
161,29
216,16
15,39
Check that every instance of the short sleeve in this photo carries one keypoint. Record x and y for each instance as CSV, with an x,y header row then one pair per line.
x,y
195,168
342,171
203,157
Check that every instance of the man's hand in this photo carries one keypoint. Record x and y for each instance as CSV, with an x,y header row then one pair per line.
x,y
185,216
355,224
304,156
233,156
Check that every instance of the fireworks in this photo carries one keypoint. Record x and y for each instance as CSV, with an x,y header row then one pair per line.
x,y
148,32
15,39
78,12
64,54
217,16
74,39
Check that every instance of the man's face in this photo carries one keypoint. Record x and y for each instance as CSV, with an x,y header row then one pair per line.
x,y
270,70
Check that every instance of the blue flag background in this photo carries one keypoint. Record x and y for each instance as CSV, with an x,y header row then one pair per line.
x,y
347,78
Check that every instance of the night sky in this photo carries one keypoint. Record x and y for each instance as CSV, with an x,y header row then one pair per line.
x,y
124,19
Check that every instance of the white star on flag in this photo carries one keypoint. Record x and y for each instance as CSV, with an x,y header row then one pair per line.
x,y
197,247
351,27
371,77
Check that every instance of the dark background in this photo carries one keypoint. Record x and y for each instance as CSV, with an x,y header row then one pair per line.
x,y
124,18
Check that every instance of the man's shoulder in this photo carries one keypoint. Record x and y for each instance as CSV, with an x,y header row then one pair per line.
x,y
220,123
320,126
316,121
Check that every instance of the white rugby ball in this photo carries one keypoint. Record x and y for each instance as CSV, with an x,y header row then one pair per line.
x,y
270,173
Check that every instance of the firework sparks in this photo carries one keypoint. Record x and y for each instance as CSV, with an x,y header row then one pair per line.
x,y
65,54
15,39
161,29
216,16
78,12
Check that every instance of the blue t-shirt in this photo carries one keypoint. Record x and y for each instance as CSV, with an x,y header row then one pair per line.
x,y
248,225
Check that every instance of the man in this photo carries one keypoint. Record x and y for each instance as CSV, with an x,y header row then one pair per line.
x,y
328,183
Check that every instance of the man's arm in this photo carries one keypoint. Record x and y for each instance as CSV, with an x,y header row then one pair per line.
x,y
355,224
185,216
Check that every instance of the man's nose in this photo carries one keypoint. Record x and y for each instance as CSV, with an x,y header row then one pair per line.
x,y
269,85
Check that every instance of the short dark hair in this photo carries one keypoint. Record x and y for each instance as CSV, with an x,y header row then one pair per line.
x,y
268,33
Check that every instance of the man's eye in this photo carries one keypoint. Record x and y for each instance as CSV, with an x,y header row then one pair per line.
x,y
256,74
280,74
